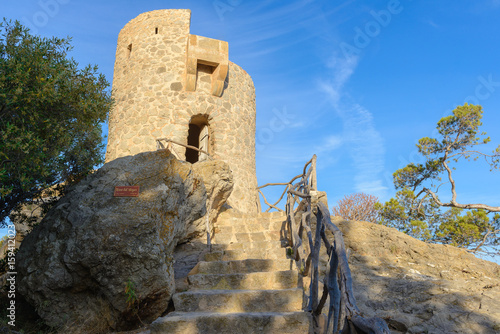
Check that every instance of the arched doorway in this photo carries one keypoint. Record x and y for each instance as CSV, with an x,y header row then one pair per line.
x,y
199,137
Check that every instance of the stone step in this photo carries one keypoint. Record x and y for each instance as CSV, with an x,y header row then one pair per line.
x,y
258,218
229,323
242,254
286,279
227,301
276,244
232,214
249,226
227,238
272,215
242,266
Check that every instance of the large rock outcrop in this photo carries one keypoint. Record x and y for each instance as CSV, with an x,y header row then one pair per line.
x,y
218,181
419,287
75,265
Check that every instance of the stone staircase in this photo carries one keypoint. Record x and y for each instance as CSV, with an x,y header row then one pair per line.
x,y
246,285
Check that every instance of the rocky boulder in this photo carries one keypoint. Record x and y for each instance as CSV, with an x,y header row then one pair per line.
x,y
218,181
419,287
98,261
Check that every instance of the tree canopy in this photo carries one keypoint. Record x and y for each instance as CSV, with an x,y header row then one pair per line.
x,y
418,207
50,116
459,134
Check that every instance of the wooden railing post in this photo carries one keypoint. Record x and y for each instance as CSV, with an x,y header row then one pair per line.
x,y
314,181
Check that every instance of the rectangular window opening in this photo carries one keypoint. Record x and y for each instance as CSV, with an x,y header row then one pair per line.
x,y
129,49
156,31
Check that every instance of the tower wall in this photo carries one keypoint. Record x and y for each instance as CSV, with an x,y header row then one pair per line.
x,y
151,101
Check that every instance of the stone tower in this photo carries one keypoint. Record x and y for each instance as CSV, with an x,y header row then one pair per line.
x,y
171,84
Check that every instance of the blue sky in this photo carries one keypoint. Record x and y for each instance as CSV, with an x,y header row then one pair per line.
x,y
356,82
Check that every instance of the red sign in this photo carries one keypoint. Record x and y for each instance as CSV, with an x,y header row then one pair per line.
x,y
126,191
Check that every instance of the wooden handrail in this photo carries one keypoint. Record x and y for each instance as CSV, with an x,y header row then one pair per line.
x,y
159,145
337,283
287,184
271,206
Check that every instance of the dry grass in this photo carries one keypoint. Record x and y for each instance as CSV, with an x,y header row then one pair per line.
x,y
95,321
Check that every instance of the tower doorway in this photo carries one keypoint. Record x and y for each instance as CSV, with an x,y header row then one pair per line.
x,y
199,137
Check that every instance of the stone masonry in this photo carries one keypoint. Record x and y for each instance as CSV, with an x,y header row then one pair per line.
x,y
166,81
246,285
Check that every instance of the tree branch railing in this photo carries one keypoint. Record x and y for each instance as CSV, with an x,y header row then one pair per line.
x,y
287,184
159,146
343,314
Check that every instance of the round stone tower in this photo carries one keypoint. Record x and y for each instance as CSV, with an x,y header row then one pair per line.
x,y
171,84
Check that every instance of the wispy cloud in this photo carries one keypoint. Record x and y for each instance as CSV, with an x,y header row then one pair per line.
x,y
366,149
434,24
272,24
364,142
274,47
329,144
342,68
269,28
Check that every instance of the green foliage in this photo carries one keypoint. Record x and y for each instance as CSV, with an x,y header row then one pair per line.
x,y
50,116
469,229
132,298
413,175
406,214
427,221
